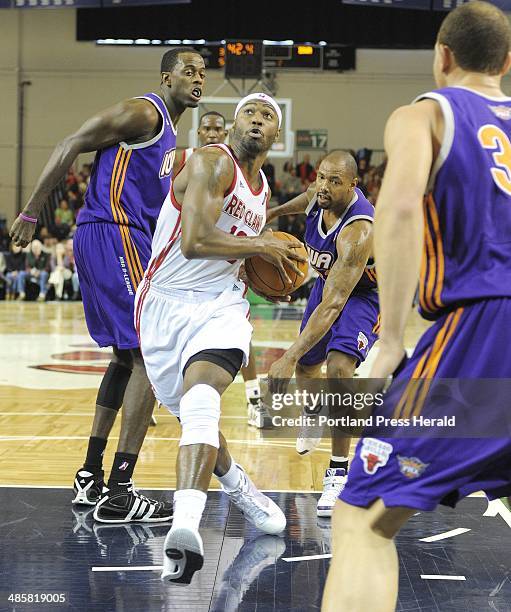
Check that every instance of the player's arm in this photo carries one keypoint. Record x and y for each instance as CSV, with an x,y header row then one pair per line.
x,y
293,207
127,121
354,244
399,225
210,173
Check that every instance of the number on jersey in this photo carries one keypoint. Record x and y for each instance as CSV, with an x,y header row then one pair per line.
x,y
493,138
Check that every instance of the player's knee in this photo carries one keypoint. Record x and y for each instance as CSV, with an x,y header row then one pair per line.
x,y
307,371
123,357
339,365
113,386
199,412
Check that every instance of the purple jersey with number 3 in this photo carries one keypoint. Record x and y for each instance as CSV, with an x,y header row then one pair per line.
x,y
467,254
466,287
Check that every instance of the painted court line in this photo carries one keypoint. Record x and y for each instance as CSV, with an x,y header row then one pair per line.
x,y
306,558
446,534
140,568
69,487
440,577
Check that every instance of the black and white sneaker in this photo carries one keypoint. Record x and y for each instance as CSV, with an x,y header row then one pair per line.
x,y
87,487
126,505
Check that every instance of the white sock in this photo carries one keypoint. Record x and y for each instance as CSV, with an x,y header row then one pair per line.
x,y
231,479
340,459
188,508
252,389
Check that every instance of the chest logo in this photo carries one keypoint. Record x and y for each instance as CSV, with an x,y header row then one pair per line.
x,y
237,209
321,261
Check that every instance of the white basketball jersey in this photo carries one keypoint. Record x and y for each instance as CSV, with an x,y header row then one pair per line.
x,y
188,153
243,214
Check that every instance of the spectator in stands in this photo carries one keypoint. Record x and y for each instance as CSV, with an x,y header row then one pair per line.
x,y
3,268
4,235
38,270
304,170
269,171
64,213
291,186
64,271
15,272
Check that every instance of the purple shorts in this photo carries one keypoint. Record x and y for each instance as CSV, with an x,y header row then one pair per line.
x,y
110,261
352,333
472,342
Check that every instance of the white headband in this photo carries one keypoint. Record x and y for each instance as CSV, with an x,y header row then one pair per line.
x,y
262,97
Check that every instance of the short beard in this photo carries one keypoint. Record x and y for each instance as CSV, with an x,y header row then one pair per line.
x,y
250,146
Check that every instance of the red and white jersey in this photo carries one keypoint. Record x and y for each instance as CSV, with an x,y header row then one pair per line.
x,y
243,214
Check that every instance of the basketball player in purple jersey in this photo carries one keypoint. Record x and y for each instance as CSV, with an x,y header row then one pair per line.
x,y
454,144
340,322
135,142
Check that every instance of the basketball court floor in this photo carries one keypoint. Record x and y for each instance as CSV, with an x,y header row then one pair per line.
x,y
54,557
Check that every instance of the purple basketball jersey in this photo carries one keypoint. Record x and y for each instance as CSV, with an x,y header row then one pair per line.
x,y
130,182
321,244
468,222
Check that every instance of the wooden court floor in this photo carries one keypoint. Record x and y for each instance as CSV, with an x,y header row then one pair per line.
x,y
49,374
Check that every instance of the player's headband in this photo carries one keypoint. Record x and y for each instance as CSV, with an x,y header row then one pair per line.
x,y
261,97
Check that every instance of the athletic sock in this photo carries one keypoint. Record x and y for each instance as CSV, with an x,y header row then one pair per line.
x,y
95,451
252,391
339,462
231,479
122,469
188,508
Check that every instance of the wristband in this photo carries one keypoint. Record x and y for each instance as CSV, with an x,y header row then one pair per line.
x,y
27,218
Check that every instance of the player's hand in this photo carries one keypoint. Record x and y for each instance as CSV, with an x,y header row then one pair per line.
x,y
274,299
22,232
389,357
280,374
280,252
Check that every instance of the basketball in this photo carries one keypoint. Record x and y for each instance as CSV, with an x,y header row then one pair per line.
x,y
267,278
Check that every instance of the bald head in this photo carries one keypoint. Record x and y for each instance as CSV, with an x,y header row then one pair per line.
x,y
336,181
479,35
345,162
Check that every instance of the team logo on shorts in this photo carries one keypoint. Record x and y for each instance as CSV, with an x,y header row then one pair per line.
x,y
501,111
374,454
362,341
411,467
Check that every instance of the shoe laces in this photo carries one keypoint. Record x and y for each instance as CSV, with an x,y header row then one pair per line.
x,y
249,499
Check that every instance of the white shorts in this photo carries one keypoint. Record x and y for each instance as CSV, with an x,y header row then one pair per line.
x,y
175,325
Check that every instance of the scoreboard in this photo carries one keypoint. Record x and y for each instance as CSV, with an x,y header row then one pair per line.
x,y
243,58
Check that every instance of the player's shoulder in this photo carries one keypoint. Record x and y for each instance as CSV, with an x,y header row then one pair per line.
x,y
213,161
423,110
361,206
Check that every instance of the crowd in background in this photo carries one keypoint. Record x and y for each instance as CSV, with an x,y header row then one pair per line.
x,y
46,269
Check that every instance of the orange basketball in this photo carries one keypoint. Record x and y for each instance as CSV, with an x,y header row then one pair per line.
x,y
267,279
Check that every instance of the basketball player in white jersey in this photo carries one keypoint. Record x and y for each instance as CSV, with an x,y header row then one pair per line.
x,y
212,131
193,323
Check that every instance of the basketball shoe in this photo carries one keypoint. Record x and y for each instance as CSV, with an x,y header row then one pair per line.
x,y
258,414
333,483
125,505
183,555
259,509
309,435
87,487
